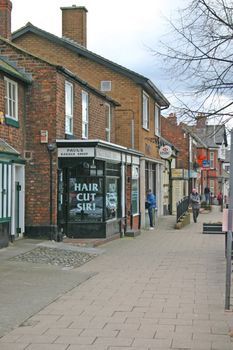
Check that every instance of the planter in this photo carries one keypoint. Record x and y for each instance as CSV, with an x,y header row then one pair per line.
x,y
212,228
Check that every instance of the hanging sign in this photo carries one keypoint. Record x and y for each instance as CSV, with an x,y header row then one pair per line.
x,y
165,152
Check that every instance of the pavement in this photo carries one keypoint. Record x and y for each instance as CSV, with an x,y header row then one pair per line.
x,y
164,289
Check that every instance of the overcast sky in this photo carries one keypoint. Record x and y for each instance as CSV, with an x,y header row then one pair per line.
x,y
119,30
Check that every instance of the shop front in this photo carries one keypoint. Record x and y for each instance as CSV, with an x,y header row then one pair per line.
x,y
93,188
12,181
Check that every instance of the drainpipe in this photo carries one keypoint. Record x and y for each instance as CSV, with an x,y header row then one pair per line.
x,y
51,148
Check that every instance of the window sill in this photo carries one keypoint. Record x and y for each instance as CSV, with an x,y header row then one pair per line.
x,y
11,122
145,128
69,136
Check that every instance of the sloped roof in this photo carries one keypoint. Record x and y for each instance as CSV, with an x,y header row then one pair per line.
x,y
213,135
198,139
10,68
147,85
7,67
6,148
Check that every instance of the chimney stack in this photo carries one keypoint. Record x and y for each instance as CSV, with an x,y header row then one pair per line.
x,y
74,24
172,118
201,121
5,19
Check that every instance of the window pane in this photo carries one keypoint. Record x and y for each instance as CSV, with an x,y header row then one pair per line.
x,y
69,108
157,120
84,114
86,199
11,99
111,198
145,111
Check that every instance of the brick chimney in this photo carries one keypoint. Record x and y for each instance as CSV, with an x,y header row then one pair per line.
x,y
172,118
5,18
201,121
74,24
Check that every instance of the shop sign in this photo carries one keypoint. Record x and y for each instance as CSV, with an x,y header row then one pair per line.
x,y
86,196
44,136
108,154
177,173
165,152
205,163
75,152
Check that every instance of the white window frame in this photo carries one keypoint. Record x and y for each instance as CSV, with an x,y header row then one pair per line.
x,y
145,111
69,107
105,85
211,160
157,120
85,115
11,99
212,186
108,117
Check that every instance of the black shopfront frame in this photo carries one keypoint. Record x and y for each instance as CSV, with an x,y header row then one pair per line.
x,y
82,193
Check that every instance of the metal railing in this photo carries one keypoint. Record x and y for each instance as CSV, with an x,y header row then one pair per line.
x,y
181,208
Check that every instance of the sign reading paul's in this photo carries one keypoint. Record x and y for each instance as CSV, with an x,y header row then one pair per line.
x,y
165,152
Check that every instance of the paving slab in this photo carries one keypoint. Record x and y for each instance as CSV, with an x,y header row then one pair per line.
x,y
163,289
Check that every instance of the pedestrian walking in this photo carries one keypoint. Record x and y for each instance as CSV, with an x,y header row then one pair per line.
x,y
207,194
220,198
195,201
151,206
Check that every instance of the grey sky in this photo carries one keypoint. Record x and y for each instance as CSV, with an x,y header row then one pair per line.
x,y
120,30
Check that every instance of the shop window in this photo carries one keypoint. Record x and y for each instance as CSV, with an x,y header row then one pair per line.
x,y
112,190
111,198
135,190
85,199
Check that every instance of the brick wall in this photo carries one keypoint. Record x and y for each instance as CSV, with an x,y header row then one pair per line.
x,y
176,135
43,109
124,90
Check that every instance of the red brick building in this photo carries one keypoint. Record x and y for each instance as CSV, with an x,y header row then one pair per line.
x,y
77,178
185,174
137,121
211,159
13,86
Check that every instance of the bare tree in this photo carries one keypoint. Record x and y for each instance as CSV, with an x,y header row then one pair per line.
x,y
200,57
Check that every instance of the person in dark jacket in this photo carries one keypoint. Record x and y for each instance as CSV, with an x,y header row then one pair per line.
x,y
151,205
195,201
207,194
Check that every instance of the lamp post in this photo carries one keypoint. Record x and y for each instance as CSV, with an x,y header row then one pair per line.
x,y
51,148
229,233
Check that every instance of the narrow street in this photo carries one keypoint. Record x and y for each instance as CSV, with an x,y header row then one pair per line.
x,y
164,289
